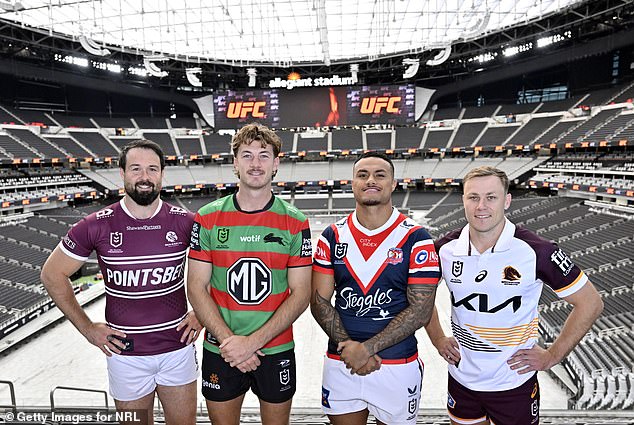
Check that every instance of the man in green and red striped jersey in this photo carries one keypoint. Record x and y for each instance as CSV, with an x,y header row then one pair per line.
x,y
248,281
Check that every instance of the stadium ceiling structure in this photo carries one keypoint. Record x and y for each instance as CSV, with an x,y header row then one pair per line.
x,y
173,50
275,32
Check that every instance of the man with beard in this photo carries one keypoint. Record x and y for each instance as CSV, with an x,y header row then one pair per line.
x,y
141,244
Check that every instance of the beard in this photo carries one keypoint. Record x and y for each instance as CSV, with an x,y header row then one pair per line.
x,y
142,198
371,202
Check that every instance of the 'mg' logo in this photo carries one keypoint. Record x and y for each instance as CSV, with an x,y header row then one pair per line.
x,y
249,281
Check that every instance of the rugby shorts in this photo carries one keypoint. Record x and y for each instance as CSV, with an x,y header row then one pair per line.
x,y
133,377
391,394
517,406
274,381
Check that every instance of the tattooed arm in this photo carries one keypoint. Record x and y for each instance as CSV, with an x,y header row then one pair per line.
x,y
413,317
323,286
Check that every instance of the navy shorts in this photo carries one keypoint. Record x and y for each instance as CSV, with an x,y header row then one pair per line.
x,y
274,381
517,406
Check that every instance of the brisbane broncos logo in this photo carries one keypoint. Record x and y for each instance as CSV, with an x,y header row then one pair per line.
x,y
510,273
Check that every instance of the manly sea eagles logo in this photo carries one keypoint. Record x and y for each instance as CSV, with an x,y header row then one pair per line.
x,y
456,268
223,234
116,239
341,249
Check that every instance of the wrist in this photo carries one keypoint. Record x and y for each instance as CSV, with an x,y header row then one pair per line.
x,y
554,357
369,348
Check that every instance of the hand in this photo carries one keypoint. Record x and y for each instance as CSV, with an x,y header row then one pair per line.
x,y
238,348
372,365
102,336
530,360
449,350
250,364
354,354
191,328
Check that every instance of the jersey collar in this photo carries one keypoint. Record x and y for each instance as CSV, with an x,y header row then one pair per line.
x,y
464,247
127,211
395,215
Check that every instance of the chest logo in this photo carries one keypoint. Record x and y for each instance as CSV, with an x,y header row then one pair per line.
x,y
481,276
271,238
394,256
511,274
249,281
341,249
456,268
223,234
116,239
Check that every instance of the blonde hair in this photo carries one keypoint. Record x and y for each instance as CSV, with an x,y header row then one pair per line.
x,y
485,171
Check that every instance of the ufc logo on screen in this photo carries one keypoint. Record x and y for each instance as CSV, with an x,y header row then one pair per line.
x,y
374,105
243,109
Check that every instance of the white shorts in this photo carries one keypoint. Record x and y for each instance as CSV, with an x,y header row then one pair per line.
x,y
133,377
391,394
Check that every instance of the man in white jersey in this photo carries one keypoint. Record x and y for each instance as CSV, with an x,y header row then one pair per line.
x,y
495,273
141,243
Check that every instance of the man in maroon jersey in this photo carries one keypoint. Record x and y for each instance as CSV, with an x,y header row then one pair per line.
x,y
141,244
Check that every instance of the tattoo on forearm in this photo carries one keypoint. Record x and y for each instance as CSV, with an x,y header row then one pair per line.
x,y
328,319
416,315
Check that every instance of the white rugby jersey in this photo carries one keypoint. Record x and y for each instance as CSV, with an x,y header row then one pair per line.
x,y
494,298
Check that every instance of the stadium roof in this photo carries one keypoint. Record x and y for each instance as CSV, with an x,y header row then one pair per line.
x,y
281,32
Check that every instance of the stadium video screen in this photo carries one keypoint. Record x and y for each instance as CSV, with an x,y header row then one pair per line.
x,y
392,104
233,109
316,106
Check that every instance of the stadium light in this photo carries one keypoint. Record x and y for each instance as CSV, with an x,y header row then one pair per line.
x,y
152,69
193,79
412,66
354,71
440,57
10,6
252,73
92,47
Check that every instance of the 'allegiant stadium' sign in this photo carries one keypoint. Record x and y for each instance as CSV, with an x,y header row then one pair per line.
x,y
335,80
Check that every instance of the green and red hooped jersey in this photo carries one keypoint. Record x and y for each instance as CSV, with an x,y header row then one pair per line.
x,y
250,253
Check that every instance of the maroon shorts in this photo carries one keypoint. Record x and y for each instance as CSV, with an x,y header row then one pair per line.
x,y
517,406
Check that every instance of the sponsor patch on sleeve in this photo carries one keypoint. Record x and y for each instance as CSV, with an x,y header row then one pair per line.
x,y
194,242
307,245
562,261
69,243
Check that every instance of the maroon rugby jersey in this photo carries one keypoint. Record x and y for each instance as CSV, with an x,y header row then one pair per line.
x,y
143,266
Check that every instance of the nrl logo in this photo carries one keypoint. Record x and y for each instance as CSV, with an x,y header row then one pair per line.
x,y
116,239
285,377
341,249
456,268
223,235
